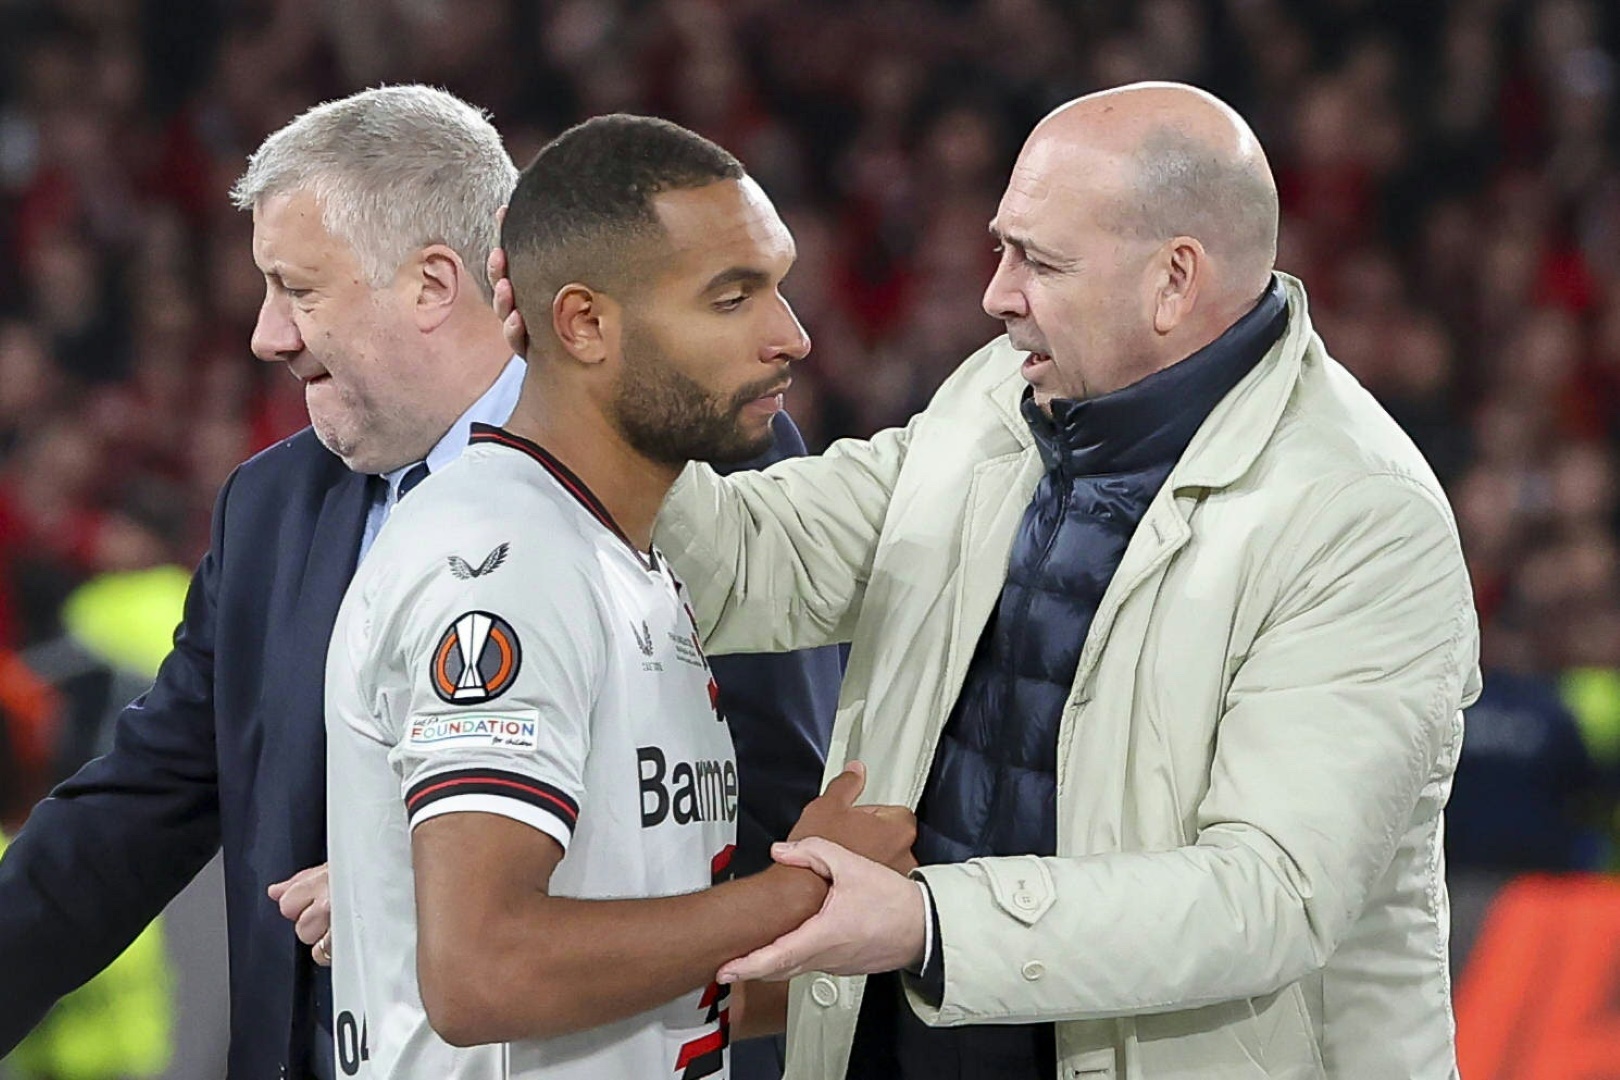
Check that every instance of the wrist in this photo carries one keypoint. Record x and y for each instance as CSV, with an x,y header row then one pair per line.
x,y
801,892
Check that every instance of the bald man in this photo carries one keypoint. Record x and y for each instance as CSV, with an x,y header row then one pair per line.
x,y
1160,623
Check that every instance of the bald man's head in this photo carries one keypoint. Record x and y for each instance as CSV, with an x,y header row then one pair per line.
x,y
1137,226
1184,164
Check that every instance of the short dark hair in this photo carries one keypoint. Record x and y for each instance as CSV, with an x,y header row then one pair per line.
x,y
583,209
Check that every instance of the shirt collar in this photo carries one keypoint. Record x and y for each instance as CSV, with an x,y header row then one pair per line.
x,y
494,407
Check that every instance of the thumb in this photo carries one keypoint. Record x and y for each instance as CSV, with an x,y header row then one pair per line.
x,y
847,786
811,853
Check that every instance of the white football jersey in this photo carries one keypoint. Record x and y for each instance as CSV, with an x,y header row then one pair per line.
x,y
504,649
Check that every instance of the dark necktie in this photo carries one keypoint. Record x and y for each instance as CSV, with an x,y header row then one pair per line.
x,y
413,476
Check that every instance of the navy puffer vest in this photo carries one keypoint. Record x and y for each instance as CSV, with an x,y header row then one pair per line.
x,y
993,787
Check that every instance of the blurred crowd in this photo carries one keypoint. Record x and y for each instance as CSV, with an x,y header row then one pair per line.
x,y
1450,191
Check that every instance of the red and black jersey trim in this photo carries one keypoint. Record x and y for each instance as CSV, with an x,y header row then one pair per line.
x,y
487,433
507,785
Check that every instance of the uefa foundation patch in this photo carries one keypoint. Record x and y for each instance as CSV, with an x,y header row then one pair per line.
x,y
476,660
463,731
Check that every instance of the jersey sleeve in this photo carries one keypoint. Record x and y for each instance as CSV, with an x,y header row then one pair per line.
x,y
500,649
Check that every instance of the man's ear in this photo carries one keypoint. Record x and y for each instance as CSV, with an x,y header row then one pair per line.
x,y
1185,263
586,322
439,278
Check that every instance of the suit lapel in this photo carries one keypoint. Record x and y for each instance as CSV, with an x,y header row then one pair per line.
x,y
329,564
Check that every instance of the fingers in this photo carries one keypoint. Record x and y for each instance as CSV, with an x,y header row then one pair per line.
x,y
280,888
512,325
500,283
811,853
899,816
505,306
301,890
495,265
495,271
776,961
305,900
294,899
516,335
903,824
315,922
847,786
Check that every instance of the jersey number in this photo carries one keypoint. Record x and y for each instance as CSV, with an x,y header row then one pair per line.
x,y
706,1055
351,1043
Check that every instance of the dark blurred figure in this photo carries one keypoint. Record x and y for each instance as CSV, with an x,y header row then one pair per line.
x,y
1527,792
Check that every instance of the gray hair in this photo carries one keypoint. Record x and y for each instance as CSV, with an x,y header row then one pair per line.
x,y
1183,187
395,169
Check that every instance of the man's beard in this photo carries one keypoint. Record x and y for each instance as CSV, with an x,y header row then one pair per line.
x,y
668,417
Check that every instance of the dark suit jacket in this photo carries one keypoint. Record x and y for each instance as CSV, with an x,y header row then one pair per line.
x,y
228,750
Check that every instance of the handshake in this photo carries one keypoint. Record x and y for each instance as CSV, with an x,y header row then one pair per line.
x,y
872,918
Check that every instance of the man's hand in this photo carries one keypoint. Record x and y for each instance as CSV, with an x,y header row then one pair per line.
x,y
305,900
517,335
881,833
872,920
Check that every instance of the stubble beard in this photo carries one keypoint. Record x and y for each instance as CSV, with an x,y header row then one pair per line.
x,y
668,417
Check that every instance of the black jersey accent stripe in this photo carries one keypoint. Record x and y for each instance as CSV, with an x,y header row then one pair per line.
x,y
581,491
507,785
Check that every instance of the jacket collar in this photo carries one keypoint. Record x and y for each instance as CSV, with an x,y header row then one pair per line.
x,y
1149,423
1237,429
1243,423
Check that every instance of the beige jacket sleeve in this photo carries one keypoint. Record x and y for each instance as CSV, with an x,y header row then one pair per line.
x,y
779,560
1333,724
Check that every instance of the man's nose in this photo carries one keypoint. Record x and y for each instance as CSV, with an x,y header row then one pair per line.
x,y
1003,298
275,335
794,343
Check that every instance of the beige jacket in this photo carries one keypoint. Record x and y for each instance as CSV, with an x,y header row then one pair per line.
x,y
1253,758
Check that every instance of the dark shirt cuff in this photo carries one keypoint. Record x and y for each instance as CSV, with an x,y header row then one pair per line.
x,y
930,981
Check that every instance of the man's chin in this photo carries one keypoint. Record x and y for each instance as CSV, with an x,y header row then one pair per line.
x,y
740,452
353,455
749,441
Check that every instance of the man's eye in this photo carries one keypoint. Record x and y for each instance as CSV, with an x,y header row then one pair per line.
x,y
1020,256
296,294
730,303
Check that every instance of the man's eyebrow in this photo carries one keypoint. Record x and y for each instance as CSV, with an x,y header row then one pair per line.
x,y
1024,243
278,271
738,275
